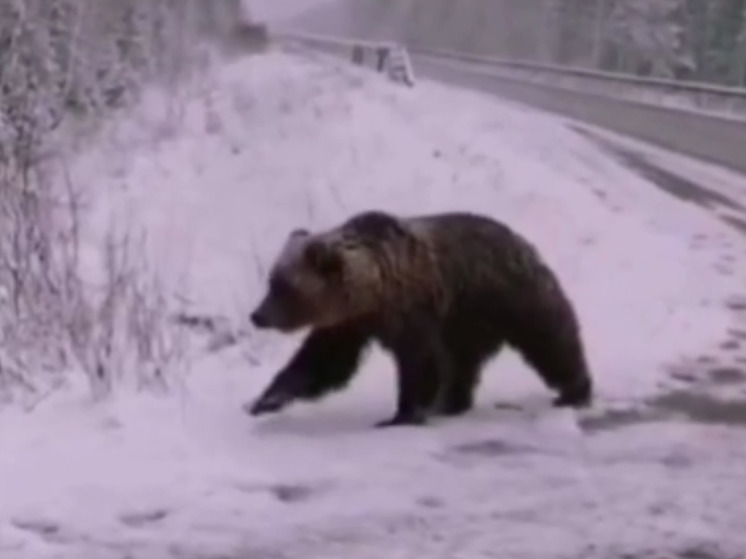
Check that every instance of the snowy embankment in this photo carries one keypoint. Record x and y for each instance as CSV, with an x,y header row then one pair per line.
x,y
270,143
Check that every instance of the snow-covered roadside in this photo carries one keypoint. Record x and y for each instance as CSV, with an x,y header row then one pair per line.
x,y
276,142
726,189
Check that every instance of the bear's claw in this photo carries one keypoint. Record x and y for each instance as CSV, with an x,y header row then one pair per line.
x,y
580,396
401,420
271,403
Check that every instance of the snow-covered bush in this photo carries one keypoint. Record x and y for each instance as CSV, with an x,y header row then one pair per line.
x,y
65,61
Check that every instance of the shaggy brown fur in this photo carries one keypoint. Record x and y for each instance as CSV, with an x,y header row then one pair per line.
x,y
442,293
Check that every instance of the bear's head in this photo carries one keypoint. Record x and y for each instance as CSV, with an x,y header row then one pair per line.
x,y
329,278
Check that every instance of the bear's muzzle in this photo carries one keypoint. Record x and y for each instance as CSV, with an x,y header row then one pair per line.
x,y
259,319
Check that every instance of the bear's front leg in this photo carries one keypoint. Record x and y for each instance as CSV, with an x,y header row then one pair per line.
x,y
421,363
326,361
409,409
282,391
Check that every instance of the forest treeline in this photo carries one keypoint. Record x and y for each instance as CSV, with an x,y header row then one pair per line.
x,y
702,40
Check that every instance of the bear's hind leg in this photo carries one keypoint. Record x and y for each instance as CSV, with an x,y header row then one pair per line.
x,y
559,359
326,361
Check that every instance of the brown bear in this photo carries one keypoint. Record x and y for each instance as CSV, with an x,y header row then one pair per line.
x,y
443,293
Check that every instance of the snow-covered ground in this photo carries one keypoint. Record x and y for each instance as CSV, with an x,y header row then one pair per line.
x,y
277,141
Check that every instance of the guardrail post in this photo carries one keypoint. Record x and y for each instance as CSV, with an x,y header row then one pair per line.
x,y
383,53
399,66
357,55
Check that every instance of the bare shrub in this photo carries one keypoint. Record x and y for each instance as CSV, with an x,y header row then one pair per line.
x,y
53,318
120,330
64,61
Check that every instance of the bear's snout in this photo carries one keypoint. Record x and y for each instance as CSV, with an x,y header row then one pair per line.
x,y
273,316
259,319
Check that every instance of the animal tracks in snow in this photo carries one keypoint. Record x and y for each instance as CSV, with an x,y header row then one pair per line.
x,y
290,492
43,528
140,519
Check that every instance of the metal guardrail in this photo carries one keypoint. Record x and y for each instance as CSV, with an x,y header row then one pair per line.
x,y
707,137
362,53
725,101
386,57
711,137
685,95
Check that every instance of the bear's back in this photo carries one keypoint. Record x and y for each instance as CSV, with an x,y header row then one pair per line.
x,y
481,259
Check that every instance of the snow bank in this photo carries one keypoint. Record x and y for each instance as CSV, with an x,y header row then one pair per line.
x,y
279,141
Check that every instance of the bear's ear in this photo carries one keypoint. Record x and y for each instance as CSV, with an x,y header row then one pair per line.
x,y
323,258
298,234
295,240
